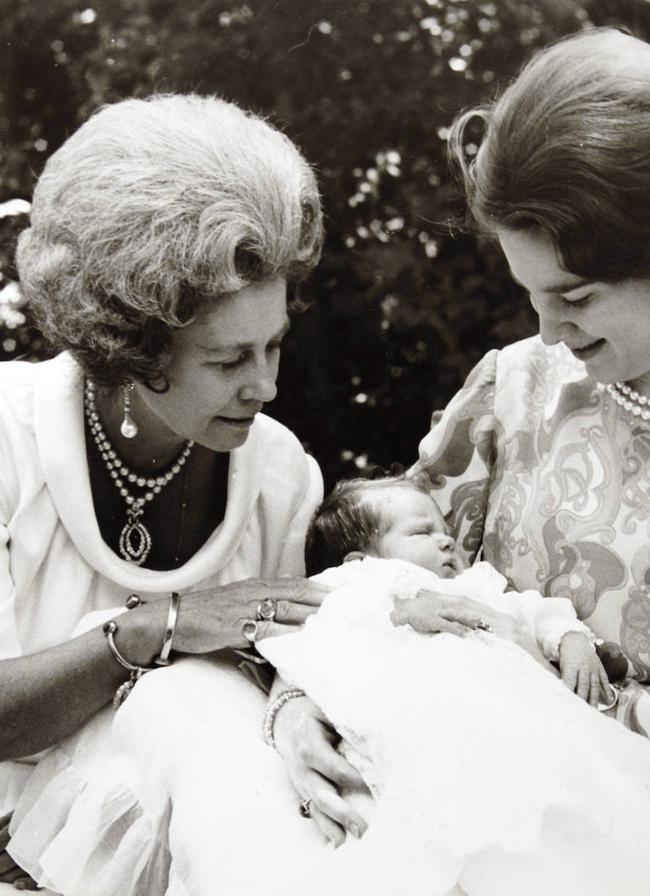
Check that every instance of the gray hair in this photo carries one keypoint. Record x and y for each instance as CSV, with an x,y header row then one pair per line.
x,y
151,209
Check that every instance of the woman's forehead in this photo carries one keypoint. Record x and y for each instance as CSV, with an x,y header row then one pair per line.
x,y
251,316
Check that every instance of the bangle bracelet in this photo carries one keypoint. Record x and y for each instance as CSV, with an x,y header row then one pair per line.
x,y
109,629
272,710
172,618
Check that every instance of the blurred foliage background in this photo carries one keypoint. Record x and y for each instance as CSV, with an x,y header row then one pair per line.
x,y
400,308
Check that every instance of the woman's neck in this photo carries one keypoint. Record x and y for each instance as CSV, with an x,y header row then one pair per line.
x,y
153,448
641,384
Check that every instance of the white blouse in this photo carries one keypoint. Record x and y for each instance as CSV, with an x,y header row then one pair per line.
x,y
54,566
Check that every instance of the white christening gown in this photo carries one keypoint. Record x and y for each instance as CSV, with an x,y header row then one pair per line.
x,y
489,777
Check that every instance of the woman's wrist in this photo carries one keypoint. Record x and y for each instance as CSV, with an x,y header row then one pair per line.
x,y
141,633
274,706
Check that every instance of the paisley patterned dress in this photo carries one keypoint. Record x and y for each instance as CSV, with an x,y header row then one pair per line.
x,y
536,466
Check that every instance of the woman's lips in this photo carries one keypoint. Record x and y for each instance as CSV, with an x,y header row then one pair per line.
x,y
588,351
236,422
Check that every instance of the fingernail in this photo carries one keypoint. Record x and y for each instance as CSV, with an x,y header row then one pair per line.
x,y
354,830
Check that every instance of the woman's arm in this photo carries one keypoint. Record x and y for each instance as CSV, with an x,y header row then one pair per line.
x,y
458,456
307,742
431,613
48,695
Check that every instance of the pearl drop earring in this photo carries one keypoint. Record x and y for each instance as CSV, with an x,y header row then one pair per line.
x,y
128,428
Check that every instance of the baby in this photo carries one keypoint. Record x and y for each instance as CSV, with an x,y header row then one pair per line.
x,y
396,518
486,774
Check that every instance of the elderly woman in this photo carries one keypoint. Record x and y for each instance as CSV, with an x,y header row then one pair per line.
x,y
136,464
541,460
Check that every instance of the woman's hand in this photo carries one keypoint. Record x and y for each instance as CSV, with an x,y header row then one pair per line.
x,y
430,613
10,873
213,619
307,743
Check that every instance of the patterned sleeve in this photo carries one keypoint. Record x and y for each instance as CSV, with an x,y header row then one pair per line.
x,y
459,453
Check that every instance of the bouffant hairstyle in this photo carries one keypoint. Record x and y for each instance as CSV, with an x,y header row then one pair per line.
x,y
152,209
349,520
565,150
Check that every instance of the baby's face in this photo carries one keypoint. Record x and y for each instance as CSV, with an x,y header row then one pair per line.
x,y
415,530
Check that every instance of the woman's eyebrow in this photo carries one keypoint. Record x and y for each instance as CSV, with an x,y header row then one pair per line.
x,y
557,288
241,346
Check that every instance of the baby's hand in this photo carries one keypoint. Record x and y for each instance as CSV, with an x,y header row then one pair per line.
x,y
581,670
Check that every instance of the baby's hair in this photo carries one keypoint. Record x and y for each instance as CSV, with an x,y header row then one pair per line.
x,y
348,521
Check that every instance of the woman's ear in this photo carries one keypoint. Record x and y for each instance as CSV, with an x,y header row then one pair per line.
x,y
354,555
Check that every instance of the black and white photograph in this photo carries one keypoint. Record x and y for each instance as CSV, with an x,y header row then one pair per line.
x,y
325,447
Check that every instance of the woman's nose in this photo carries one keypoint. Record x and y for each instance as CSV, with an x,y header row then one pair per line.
x,y
549,321
261,385
553,324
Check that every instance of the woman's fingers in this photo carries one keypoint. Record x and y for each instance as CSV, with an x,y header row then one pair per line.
x,y
328,801
294,590
569,676
606,690
459,603
594,689
431,612
421,616
584,684
331,831
288,613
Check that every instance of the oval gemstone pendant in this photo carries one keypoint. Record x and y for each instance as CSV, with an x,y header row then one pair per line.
x,y
135,542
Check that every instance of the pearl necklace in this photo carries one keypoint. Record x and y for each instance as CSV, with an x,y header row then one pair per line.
x,y
135,539
624,396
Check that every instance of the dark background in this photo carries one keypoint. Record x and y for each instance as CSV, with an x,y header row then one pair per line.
x,y
399,309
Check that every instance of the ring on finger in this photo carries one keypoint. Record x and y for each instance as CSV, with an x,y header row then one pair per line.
x,y
266,610
483,626
304,808
249,630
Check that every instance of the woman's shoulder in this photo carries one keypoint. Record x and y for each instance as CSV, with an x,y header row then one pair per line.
x,y
282,447
285,458
19,383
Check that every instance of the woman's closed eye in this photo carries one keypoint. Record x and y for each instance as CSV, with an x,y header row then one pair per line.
x,y
229,365
579,302
272,349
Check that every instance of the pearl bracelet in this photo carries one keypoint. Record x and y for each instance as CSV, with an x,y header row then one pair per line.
x,y
272,710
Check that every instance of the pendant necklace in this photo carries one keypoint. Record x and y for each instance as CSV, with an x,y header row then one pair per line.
x,y
135,539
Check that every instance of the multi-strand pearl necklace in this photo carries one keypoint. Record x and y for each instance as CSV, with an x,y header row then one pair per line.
x,y
135,539
625,396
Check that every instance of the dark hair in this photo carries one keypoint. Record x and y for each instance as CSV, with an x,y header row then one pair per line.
x,y
565,151
347,521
